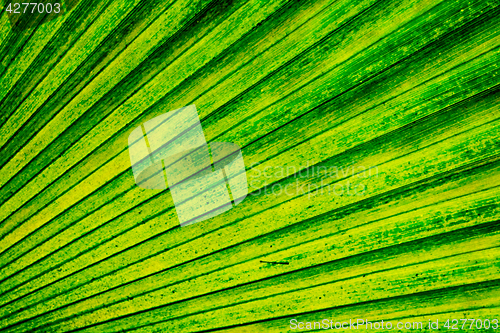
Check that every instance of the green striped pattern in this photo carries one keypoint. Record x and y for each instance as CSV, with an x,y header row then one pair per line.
x,y
407,89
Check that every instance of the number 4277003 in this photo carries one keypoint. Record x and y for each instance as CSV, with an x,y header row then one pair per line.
x,y
33,7
462,324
